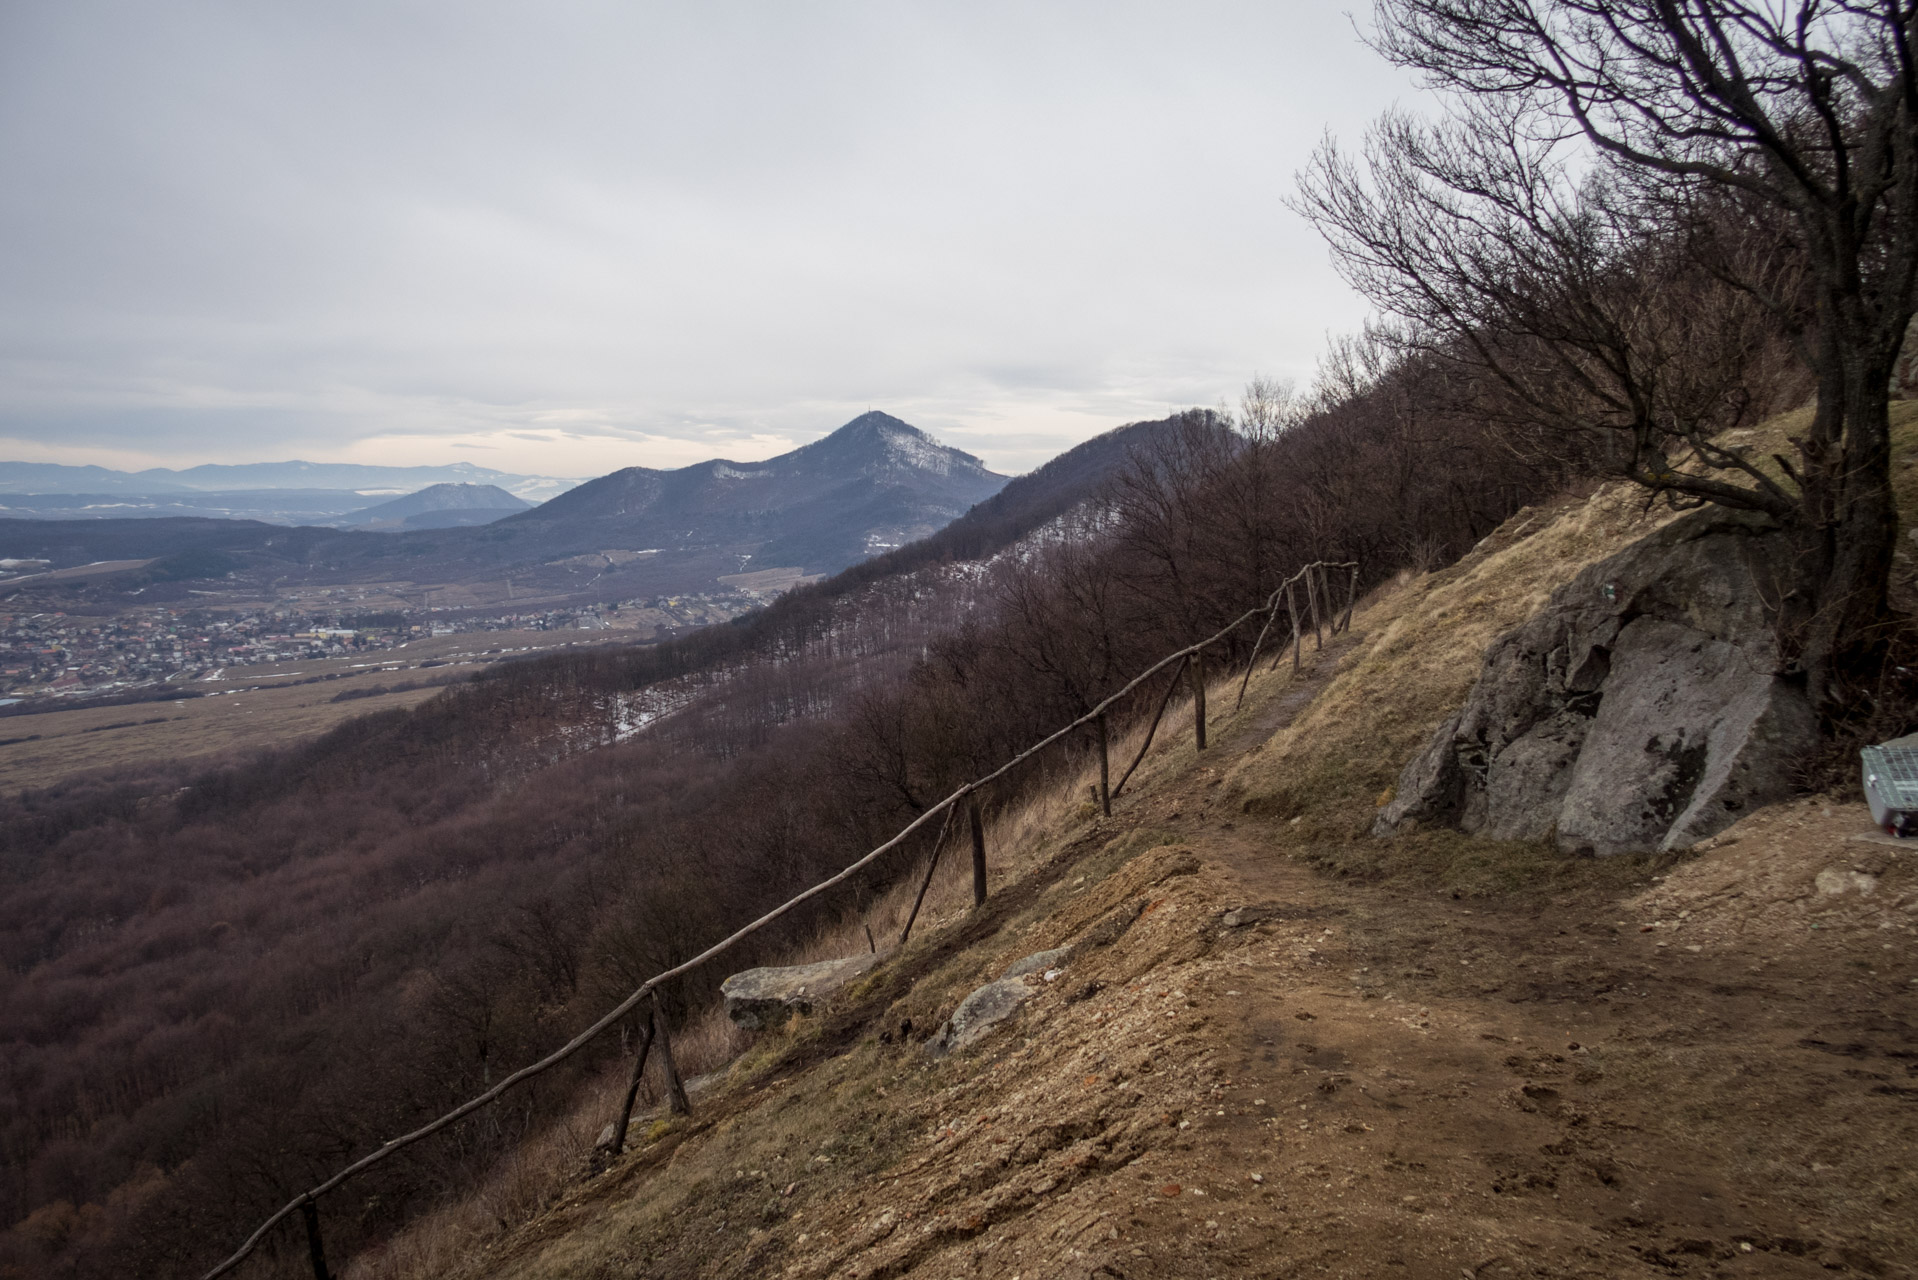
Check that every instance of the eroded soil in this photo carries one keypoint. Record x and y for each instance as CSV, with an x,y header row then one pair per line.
x,y
1251,1068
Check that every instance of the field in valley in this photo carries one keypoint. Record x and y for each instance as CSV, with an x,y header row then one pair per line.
x,y
255,708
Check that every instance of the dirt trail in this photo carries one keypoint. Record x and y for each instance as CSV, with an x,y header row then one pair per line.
x,y
1252,1068
1425,1086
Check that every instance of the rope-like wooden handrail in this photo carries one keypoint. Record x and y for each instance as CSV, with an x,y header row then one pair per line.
x,y
725,944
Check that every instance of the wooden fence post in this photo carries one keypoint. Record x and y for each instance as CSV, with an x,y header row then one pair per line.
x,y
1351,599
978,855
1105,770
676,1101
1298,633
1312,593
1198,697
640,1053
315,1251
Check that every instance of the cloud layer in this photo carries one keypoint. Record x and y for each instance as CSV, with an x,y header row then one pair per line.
x,y
570,237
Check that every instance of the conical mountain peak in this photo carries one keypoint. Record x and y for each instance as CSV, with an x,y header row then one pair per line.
x,y
873,484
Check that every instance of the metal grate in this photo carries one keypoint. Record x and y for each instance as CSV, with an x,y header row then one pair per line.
x,y
1893,768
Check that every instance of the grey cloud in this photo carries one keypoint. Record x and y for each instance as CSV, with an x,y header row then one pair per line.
x,y
234,232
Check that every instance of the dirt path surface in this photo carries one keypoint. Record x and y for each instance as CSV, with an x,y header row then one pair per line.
x,y
1247,1067
1424,1087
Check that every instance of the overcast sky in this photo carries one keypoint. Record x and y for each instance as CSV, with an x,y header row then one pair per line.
x,y
564,237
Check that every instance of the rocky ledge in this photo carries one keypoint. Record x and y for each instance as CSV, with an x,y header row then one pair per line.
x,y
1642,709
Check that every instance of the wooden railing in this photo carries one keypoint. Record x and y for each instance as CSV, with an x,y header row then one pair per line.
x,y
1313,581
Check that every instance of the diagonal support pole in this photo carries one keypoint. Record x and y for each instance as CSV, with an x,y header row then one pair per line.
x,y
1153,727
938,846
640,1053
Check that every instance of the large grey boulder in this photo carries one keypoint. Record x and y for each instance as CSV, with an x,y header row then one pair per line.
x,y
1642,709
761,998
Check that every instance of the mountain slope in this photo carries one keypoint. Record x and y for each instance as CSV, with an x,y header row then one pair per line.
x,y
872,485
440,506
875,483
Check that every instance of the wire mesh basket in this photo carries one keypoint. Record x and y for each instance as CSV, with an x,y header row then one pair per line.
x,y
1891,784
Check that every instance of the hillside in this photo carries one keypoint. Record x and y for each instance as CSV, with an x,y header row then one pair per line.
x,y
1279,1046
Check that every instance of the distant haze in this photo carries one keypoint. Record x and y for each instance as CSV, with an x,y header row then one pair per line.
x,y
564,238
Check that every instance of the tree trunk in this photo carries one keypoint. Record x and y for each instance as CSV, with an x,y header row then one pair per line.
x,y
1835,605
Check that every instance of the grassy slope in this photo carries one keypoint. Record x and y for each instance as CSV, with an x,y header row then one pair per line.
x,y
1451,1055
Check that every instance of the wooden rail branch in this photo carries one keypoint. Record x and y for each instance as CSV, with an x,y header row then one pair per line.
x,y
1312,602
1198,700
1292,612
676,1100
943,809
1252,662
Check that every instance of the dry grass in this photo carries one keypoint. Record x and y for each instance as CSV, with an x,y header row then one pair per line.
x,y
1418,647
532,1174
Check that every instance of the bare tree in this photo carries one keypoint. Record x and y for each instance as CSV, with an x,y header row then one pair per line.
x,y
1796,119
1269,407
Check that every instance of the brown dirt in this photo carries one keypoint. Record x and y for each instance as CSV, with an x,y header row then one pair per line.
x,y
1711,1072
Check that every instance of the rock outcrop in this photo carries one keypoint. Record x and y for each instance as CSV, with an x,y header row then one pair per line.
x,y
993,1003
758,999
979,1013
1642,709
1038,962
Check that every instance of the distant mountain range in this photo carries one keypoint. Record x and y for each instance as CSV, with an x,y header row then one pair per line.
x,y
46,478
873,485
